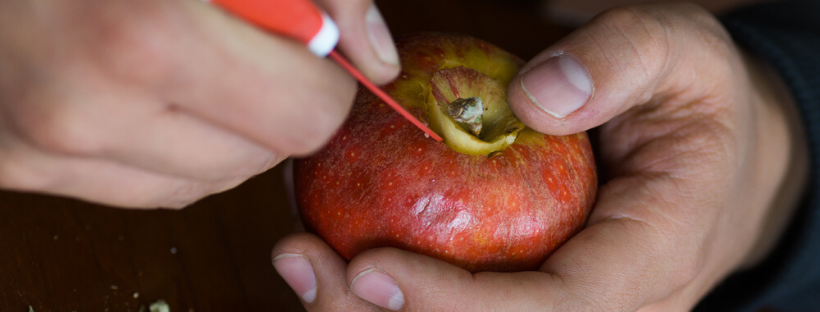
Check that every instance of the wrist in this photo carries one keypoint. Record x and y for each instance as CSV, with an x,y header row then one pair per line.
x,y
780,124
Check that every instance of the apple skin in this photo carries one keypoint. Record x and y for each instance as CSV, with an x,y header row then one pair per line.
x,y
381,183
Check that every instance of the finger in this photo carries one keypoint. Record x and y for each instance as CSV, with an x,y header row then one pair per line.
x,y
268,89
316,273
399,280
644,246
100,181
619,263
139,131
172,142
365,38
624,58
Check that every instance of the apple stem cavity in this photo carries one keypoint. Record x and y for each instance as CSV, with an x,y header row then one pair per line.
x,y
469,109
467,112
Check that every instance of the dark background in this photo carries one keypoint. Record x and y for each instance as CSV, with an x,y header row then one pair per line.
x,y
59,254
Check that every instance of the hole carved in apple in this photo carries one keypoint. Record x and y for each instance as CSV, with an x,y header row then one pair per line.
x,y
469,110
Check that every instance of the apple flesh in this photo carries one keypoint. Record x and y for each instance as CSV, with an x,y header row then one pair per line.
x,y
494,196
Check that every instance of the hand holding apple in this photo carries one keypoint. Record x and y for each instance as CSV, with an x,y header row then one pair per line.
x,y
704,162
494,196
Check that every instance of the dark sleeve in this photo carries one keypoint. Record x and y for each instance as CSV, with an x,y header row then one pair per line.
x,y
786,34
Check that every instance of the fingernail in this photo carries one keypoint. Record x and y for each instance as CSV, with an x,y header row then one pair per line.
x,y
298,273
378,288
380,36
559,86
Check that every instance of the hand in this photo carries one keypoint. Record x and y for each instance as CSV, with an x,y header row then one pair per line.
x,y
159,103
704,163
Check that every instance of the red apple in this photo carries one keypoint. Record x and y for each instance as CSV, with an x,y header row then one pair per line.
x,y
494,196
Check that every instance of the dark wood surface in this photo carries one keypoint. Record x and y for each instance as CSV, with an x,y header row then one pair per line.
x,y
60,254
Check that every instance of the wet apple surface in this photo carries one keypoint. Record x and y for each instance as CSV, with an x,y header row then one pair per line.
x,y
494,196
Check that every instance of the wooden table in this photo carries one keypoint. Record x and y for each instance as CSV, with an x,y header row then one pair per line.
x,y
59,254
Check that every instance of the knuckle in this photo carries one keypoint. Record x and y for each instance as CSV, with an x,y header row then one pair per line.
x,y
622,14
136,47
43,118
635,21
648,38
699,16
59,131
705,28
642,38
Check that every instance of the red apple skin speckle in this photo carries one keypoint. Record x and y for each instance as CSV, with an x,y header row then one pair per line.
x,y
381,183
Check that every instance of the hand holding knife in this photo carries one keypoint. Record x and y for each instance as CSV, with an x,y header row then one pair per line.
x,y
302,20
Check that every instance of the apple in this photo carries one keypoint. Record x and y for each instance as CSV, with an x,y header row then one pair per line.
x,y
494,196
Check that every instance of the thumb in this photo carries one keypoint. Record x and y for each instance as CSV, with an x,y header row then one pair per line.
x,y
399,280
365,38
623,58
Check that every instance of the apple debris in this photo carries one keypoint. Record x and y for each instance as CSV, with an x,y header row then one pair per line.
x,y
467,112
159,306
